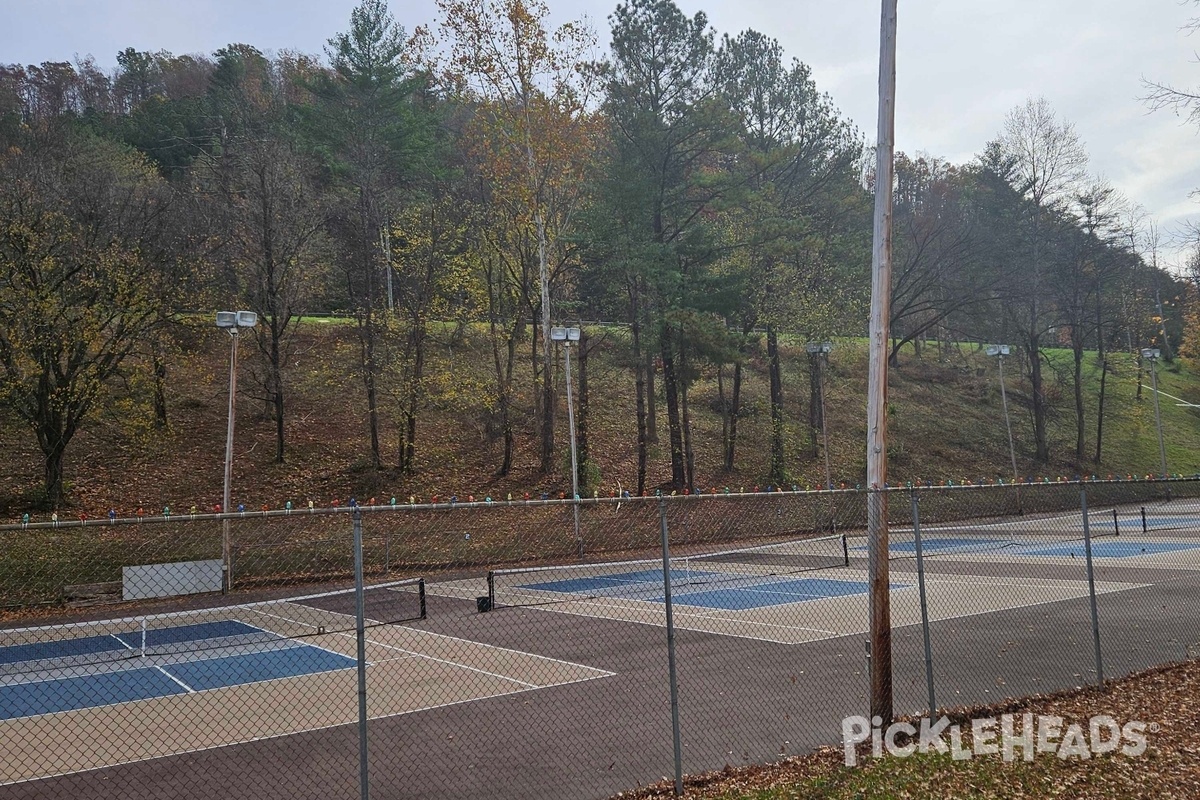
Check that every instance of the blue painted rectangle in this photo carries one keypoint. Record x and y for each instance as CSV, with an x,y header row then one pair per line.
x,y
84,691
129,640
195,633
64,648
740,599
772,593
941,544
214,673
1111,549
594,583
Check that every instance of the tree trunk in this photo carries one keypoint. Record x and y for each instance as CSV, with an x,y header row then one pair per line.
x,y
674,422
689,458
275,382
53,483
408,458
651,401
1100,410
581,416
1077,376
734,410
724,413
160,386
548,408
639,378
814,401
1039,400
778,472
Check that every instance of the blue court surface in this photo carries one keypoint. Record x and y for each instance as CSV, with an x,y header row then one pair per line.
x,y
1110,549
773,593
126,675
744,592
939,544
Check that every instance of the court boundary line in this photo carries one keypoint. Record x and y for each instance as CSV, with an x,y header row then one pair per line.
x,y
832,634
156,697
158,667
437,660
316,729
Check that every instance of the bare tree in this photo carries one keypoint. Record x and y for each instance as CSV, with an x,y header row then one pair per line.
x,y
1048,161
1184,102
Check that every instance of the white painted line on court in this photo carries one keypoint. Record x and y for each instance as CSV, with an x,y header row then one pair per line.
x,y
449,663
296,732
511,650
190,690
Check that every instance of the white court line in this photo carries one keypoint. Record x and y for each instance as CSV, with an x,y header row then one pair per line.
x,y
190,690
273,736
437,660
306,643
612,608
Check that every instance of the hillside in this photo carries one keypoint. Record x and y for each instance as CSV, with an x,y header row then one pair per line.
x,y
945,417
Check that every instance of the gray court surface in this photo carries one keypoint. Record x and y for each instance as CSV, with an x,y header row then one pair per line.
x,y
569,699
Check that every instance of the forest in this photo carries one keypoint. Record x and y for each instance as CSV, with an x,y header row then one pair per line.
x,y
492,176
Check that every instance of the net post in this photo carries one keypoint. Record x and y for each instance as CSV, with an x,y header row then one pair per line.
x,y
1116,524
1091,578
671,672
845,551
143,637
916,519
491,581
1144,528
421,594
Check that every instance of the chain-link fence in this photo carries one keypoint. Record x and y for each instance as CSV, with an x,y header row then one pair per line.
x,y
538,649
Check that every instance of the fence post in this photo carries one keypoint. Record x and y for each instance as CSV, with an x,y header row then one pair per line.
x,y
361,639
1091,577
916,515
666,559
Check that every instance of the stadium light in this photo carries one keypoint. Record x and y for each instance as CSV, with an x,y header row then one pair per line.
x,y
232,321
821,350
566,336
1152,354
999,351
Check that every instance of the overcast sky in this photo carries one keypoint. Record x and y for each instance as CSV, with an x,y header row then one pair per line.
x,y
961,64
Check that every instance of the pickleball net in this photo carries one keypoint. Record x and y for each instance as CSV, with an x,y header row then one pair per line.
x,y
230,628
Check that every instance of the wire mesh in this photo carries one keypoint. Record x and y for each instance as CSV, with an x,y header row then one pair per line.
x,y
510,654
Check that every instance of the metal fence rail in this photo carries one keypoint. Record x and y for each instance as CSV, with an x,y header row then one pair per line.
x,y
484,649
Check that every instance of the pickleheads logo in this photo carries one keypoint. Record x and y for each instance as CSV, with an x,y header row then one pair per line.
x,y
989,736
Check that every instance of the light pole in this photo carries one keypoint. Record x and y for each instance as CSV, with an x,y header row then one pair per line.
x,y
819,352
232,321
566,336
1153,353
1000,351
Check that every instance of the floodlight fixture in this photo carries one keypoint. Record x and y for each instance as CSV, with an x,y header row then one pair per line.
x,y
231,321
997,350
813,348
1152,353
236,319
558,334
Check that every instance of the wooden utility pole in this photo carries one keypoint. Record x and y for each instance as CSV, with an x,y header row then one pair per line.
x,y
881,293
